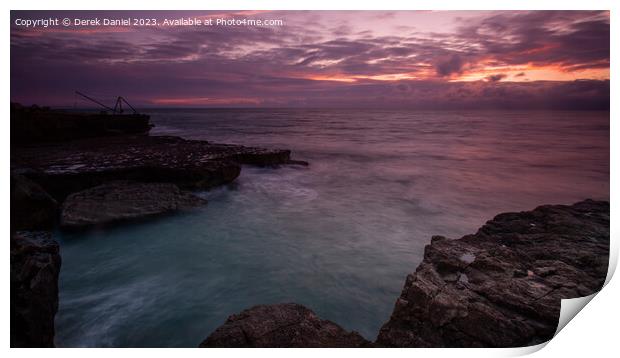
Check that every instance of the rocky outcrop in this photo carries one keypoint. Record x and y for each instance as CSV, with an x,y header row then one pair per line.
x,y
281,325
32,208
122,200
35,264
69,167
502,286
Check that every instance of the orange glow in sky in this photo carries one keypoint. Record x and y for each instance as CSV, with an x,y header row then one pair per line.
x,y
319,58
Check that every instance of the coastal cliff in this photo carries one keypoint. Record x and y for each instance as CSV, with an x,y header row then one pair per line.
x,y
500,287
35,265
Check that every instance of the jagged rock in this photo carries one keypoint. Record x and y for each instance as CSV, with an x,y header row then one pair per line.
x,y
68,167
122,200
281,325
502,286
35,264
32,208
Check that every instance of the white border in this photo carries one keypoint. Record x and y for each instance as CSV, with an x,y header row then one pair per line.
x,y
318,5
592,331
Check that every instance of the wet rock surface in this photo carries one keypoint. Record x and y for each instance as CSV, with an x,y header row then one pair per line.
x,y
35,265
68,167
281,325
502,286
123,200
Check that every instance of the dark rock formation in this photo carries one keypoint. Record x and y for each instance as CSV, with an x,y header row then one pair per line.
x,y
65,168
35,264
281,325
122,200
41,124
32,208
302,163
257,156
502,286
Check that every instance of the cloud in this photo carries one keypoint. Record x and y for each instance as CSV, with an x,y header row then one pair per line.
x,y
496,78
314,61
568,39
450,66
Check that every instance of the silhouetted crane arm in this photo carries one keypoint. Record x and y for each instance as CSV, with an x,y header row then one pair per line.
x,y
95,101
130,106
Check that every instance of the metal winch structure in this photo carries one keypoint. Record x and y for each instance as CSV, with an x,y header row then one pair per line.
x,y
118,105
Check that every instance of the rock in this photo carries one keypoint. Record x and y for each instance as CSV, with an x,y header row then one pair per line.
x,y
35,264
32,208
511,276
302,163
261,157
122,200
281,325
67,167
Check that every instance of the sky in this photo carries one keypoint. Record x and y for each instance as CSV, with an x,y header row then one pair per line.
x,y
319,59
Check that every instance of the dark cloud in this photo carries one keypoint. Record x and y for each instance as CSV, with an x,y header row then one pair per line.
x,y
497,77
450,66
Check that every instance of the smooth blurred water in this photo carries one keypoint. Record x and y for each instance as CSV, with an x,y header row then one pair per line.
x,y
339,236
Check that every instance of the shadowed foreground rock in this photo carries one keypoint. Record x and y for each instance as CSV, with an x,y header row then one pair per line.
x,y
281,325
502,286
32,208
35,264
121,200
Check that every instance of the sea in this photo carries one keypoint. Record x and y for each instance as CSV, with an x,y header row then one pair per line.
x,y
339,236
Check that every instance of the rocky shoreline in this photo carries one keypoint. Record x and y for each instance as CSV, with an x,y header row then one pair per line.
x,y
121,177
63,168
99,173
500,287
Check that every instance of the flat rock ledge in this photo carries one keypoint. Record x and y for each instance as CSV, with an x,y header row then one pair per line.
x,y
281,325
62,168
35,265
502,286
123,200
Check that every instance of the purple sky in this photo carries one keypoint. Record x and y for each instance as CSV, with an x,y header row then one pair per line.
x,y
405,59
